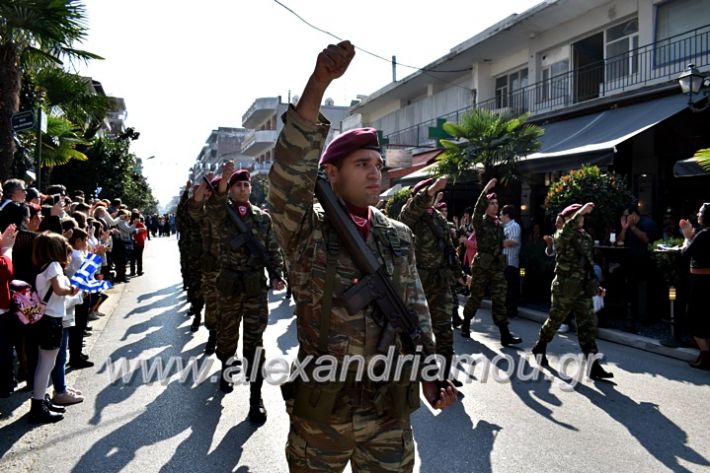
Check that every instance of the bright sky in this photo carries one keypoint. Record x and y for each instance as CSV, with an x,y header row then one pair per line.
x,y
188,67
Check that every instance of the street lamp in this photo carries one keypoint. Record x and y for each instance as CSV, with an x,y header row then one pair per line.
x,y
692,82
673,340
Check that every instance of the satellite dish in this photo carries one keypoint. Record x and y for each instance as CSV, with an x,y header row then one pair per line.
x,y
329,102
295,98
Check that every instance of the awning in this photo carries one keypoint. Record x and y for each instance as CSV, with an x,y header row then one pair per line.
x,y
689,168
391,191
419,175
591,138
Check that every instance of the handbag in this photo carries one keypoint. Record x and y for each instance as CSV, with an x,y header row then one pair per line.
x,y
27,305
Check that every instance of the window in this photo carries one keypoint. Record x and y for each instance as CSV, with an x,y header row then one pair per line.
x,y
502,92
675,22
622,42
509,91
555,82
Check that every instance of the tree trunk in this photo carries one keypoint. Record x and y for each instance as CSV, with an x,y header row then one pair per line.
x,y
10,81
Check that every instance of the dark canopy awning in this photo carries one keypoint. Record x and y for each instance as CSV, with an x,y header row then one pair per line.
x,y
592,138
689,168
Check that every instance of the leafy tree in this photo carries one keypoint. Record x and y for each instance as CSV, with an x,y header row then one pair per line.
x,y
489,140
110,166
33,32
396,202
608,191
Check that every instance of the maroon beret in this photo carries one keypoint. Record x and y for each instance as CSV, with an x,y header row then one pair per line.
x,y
492,196
440,206
569,210
240,175
421,185
215,181
349,141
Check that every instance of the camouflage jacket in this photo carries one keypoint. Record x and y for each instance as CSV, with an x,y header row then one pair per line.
x,y
182,219
305,236
238,258
574,258
208,231
432,253
489,235
190,237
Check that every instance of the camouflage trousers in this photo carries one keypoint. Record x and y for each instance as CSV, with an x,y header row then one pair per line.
x,y
209,294
494,280
578,304
370,441
441,306
233,308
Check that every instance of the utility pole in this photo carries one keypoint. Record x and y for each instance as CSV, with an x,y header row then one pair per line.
x,y
394,68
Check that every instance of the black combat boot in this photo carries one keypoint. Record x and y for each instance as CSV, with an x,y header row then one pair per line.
x,y
597,372
540,348
257,411
40,413
226,385
447,372
507,338
211,343
466,327
197,318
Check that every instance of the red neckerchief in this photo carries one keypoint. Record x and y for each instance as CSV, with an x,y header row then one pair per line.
x,y
242,207
362,217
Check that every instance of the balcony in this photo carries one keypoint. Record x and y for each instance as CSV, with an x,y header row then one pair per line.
x,y
260,110
649,65
258,141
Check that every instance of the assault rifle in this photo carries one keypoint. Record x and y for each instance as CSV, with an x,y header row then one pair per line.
x,y
375,287
246,237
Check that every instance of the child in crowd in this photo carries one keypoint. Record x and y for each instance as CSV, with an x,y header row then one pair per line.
x,y
52,253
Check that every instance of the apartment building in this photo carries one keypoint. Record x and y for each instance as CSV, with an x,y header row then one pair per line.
x,y
264,121
222,144
600,76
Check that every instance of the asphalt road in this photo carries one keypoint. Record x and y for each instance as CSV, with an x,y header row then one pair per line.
x,y
653,416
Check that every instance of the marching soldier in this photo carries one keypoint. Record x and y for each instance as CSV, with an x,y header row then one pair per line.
x,y
488,267
356,420
241,283
437,263
190,244
573,287
210,257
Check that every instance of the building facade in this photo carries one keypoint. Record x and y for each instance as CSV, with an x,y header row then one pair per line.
x,y
600,76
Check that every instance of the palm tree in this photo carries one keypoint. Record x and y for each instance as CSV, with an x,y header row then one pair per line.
x,y
489,140
33,32
703,158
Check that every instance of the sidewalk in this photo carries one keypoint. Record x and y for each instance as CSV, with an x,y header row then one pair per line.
x,y
617,336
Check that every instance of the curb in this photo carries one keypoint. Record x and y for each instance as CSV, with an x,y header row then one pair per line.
x,y
107,308
616,336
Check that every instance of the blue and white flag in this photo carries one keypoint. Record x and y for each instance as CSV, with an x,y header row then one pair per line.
x,y
84,277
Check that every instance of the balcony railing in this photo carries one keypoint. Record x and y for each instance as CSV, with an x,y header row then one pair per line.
x,y
257,140
647,65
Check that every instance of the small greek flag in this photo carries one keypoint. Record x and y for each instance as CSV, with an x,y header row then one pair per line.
x,y
84,277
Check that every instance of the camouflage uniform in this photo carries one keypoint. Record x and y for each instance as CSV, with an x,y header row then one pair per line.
x,y
241,283
340,422
191,253
209,263
573,286
181,220
487,269
437,270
